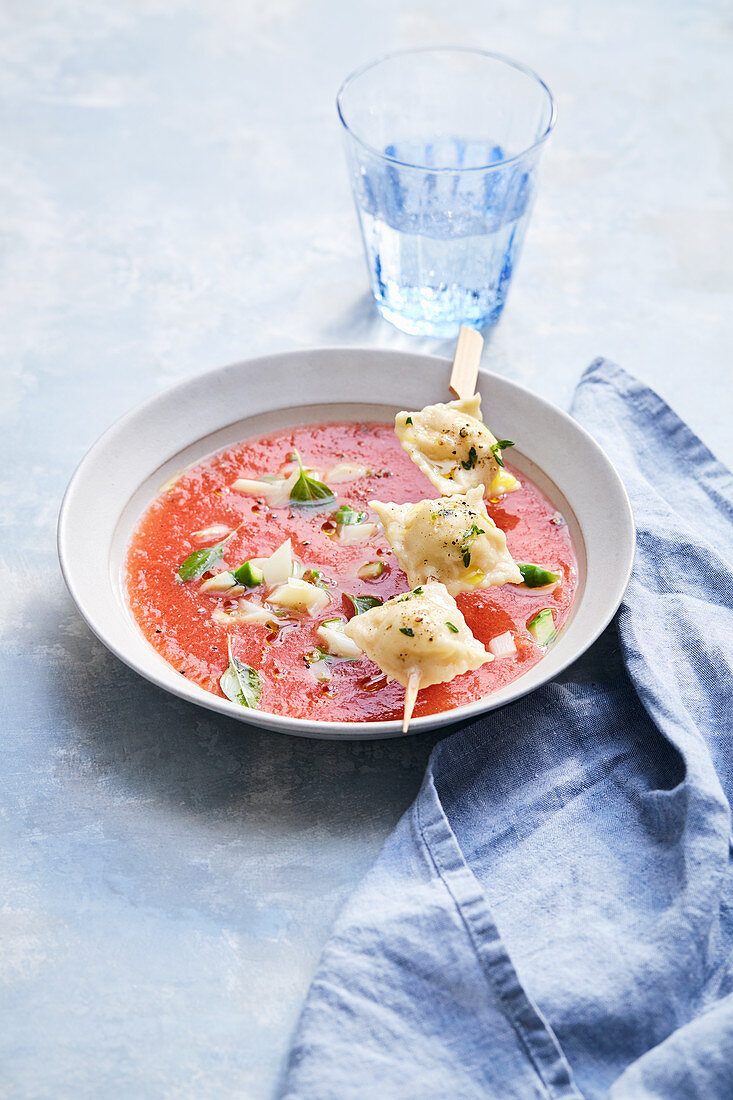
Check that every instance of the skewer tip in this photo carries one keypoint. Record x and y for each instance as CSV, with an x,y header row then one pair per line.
x,y
413,686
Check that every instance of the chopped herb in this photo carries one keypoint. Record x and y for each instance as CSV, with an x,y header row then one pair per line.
x,y
498,447
467,539
240,683
417,591
408,631
309,492
409,420
347,516
363,603
201,561
471,460
536,576
453,629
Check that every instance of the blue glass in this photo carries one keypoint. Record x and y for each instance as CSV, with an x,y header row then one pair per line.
x,y
443,219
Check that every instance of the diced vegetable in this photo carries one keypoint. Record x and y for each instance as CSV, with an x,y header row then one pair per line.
x,y
245,612
249,574
332,635
221,582
345,471
503,645
240,683
315,576
300,596
317,662
355,532
276,492
278,567
542,627
308,491
371,570
362,603
536,576
216,531
346,515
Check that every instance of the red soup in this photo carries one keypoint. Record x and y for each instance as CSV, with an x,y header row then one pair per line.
x,y
187,622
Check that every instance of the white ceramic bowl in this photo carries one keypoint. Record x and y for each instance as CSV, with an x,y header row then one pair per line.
x,y
125,469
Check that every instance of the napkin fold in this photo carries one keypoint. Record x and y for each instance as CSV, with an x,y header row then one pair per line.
x,y
553,917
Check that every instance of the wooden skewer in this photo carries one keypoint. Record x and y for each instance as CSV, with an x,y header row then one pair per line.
x,y
463,378
413,686
464,374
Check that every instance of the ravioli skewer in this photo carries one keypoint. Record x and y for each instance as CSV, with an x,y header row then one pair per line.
x,y
452,539
418,638
449,441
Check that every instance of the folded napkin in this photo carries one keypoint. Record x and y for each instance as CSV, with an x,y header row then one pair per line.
x,y
553,917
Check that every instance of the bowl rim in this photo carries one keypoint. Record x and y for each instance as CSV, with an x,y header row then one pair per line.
x,y
312,728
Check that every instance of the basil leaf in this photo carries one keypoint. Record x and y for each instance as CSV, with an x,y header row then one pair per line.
x,y
363,603
471,460
346,516
536,576
201,561
240,683
309,492
498,447
408,631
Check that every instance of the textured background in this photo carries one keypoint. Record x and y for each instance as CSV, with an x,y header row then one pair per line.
x,y
172,197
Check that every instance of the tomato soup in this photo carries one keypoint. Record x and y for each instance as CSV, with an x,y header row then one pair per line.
x,y
179,617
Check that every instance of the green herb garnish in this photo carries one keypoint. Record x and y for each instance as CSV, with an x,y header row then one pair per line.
x,y
453,629
363,603
498,447
240,683
408,631
309,492
409,420
410,595
347,516
471,460
467,540
536,576
201,561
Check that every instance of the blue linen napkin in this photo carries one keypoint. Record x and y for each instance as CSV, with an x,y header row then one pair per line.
x,y
553,917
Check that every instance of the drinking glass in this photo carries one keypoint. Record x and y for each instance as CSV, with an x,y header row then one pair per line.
x,y
443,146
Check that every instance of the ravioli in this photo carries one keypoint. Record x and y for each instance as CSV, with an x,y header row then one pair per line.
x,y
419,636
451,539
454,448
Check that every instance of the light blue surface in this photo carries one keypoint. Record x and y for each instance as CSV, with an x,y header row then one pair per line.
x,y
553,917
174,197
